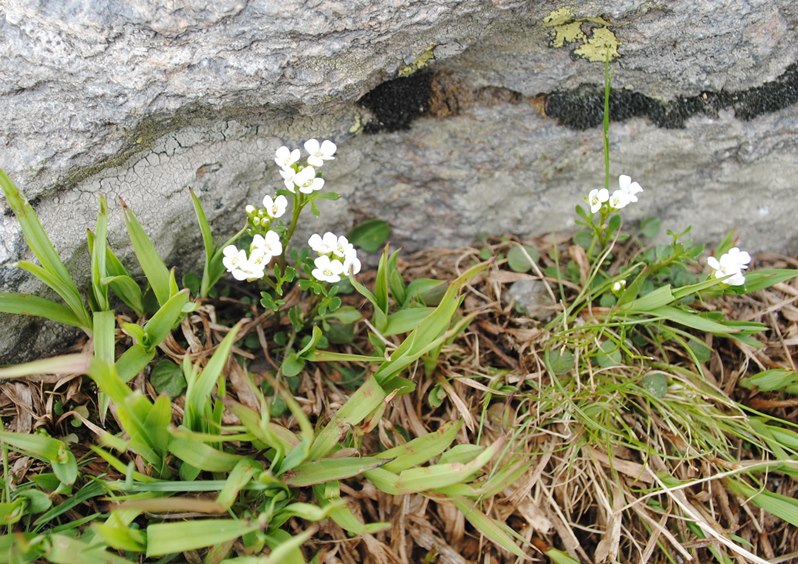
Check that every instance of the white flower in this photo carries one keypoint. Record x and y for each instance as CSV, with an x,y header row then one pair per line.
x,y
342,246
269,245
596,198
284,157
306,180
351,262
323,245
327,270
730,267
319,153
250,209
628,187
620,199
236,262
275,207
619,286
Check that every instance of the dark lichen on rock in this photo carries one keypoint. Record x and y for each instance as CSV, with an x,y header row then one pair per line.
x,y
583,107
397,102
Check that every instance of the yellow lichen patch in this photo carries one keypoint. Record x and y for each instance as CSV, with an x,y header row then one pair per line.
x,y
601,46
593,37
419,63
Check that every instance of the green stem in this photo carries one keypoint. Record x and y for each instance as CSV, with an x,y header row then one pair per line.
x,y
607,80
299,203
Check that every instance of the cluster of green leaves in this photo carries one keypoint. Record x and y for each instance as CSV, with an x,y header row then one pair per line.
x,y
258,473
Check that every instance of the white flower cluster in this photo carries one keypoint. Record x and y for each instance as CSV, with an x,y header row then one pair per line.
x,y
337,257
625,195
271,210
261,251
303,177
730,266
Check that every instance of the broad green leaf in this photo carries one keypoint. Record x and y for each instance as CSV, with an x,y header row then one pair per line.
x,y
405,320
202,456
328,469
167,378
420,450
151,263
370,235
27,304
518,258
662,296
176,538
104,349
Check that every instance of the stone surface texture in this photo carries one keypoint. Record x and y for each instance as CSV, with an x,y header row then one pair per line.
x,y
140,99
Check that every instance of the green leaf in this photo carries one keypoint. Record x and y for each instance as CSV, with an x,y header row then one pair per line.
x,y
202,456
428,291
164,320
328,469
497,532
128,291
370,235
656,383
199,387
292,365
521,259
662,296
151,263
420,450
776,379
98,258
767,277
65,364
405,320
781,506
176,538
27,304
167,378
64,549
559,361
133,361
692,320
39,243
650,226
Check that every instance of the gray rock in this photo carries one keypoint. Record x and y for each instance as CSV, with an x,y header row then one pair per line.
x,y
532,298
140,99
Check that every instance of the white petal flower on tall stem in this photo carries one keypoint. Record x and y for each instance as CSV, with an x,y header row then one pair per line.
x,y
597,197
275,207
327,270
730,267
307,181
317,154
628,187
285,158
236,262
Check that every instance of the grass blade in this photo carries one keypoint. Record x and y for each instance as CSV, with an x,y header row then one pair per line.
x,y
27,304
176,538
39,243
161,323
151,263
99,258
66,364
202,456
497,532
420,450
328,469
